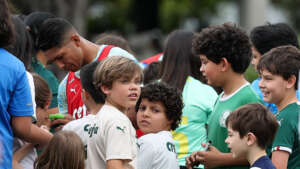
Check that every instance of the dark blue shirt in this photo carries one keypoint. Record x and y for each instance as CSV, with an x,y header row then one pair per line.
x,y
263,163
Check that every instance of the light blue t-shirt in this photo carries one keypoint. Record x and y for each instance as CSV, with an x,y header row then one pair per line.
x,y
62,96
271,107
199,100
15,100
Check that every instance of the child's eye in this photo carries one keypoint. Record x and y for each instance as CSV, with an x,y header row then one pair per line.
x,y
142,108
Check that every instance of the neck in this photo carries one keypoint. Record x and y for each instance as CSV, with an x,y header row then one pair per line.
x,y
289,98
234,83
41,57
254,154
89,50
94,108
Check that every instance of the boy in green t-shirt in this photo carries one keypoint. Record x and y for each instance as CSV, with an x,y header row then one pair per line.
x,y
225,53
279,71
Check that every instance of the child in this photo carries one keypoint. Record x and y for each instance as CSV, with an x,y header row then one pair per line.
x,y
93,100
159,110
279,71
251,128
112,143
25,153
65,151
225,53
263,39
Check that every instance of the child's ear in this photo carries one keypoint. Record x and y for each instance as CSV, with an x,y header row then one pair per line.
x,y
225,65
291,81
251,138
105,89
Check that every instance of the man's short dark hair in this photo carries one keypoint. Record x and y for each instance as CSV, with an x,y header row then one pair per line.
x,y
254,118
269,36
224,41
283,61
169,96
86,79
53,33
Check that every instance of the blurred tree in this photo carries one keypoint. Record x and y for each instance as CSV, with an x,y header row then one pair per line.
x,y
72,10
292,7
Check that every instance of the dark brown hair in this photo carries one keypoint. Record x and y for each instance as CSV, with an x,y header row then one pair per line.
x,y
254,118
65,151
7,34
283,61
42,91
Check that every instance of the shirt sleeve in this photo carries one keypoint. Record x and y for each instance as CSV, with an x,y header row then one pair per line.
x,y
120,141
62,97
146,153
21,101
285,137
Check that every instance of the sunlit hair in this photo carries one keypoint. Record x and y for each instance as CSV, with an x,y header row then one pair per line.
x,y
65,151
114,68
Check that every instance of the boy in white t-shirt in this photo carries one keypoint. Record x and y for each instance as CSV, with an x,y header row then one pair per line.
x,y
159,110
112,143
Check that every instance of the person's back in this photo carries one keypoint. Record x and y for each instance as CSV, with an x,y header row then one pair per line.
x,y
279,69
263,39
225,55
251,128
113,143
198,97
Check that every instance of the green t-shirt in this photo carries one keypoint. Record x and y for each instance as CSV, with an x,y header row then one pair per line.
x,y
50,78
287,136
217,132
198,101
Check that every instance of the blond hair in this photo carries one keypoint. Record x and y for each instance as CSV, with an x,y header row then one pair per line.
x,y
114,68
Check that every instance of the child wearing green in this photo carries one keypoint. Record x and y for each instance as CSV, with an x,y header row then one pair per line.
x,y
279,71
225,54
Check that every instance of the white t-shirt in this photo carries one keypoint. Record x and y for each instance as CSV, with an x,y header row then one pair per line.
x,y
112,137
157,151
82,128
28,160
32,91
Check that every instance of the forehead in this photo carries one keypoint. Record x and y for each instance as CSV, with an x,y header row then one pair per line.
x,y
53,52
152,103
203,57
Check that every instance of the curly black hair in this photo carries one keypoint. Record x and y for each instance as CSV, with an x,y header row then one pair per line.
x,y
224,41
169,96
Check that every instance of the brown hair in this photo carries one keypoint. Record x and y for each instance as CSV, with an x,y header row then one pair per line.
x,y
254,118
65,151
6,27
114,68
115,40
42,91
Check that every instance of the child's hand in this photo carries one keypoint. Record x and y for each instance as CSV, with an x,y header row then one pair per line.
x,y
61,122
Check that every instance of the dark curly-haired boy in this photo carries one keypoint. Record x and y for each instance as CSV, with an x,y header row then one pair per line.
x,y
159,110
225,53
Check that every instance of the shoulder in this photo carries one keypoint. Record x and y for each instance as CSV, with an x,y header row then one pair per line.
x,y
247,93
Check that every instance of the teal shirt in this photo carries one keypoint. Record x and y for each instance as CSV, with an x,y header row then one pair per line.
x,y
198,101
217,131
287,136
50,78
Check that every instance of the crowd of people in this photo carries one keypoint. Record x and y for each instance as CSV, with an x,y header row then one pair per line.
x,y
188,107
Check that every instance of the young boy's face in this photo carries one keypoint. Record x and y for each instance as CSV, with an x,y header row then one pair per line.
x,y
124,92
237,145
256,57
151,117
272,87
210,70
